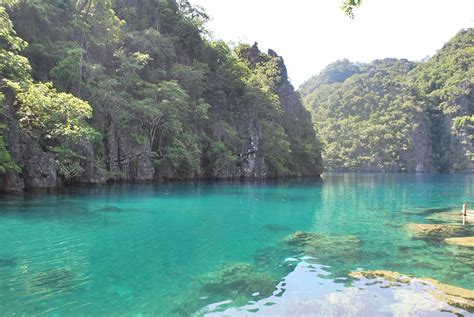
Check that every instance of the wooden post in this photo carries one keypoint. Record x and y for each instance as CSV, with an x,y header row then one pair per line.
x,y
464,210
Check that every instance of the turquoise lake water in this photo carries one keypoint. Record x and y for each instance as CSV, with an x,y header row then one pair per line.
x,y
173,249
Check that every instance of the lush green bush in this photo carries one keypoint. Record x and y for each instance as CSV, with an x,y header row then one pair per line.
x,y
48,114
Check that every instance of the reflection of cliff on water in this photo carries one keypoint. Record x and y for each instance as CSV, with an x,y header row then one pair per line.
x,y
307,291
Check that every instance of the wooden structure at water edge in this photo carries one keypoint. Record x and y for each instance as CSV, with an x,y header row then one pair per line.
x,y
467,215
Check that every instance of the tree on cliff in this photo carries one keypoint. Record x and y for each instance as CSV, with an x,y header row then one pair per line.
x,y
14,74
54,118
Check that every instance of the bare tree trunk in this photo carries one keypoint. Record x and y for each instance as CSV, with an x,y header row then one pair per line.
x,y
153,127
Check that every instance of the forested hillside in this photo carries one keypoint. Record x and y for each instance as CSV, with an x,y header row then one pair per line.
x,y
97,90
397,115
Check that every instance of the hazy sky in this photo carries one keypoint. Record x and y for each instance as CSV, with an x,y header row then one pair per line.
x,y
310,34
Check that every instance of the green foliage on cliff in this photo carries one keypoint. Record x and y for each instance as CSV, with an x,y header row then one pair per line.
x,y
145,76
366,119
48,115
14,73
395,115
67,161
446,84
6,162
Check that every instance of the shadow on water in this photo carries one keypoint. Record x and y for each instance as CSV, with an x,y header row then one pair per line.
x,y
76,213
54,280
7,262
108,208
277,228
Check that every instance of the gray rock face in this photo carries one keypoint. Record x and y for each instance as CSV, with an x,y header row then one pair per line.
x,y
126,160
143,169
463,140
12,183
454,145
420,157
38,167
252,164
296,118
92,174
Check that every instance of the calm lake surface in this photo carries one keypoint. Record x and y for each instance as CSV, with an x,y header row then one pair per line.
x,y
180,249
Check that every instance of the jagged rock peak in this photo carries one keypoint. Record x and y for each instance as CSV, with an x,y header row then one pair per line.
x,y
253,55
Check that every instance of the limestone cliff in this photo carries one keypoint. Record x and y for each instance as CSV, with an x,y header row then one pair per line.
x,y
119,158
137,91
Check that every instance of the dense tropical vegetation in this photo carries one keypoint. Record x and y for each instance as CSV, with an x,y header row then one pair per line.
x,y
397,115
97,90
136,90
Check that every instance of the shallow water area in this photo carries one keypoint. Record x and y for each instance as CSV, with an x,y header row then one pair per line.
x,y
308,292
195,248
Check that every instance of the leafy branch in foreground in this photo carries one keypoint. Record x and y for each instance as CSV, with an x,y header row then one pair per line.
x,y
348,7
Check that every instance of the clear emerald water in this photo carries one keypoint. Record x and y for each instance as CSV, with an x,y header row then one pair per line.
x,y
142,250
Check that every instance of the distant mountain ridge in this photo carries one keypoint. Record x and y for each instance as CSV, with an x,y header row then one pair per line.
x,y
395,115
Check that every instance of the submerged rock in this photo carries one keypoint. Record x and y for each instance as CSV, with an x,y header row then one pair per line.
x,y
109,208
237,279
324,246
449,216
275,227
232,284
461,241
387,275
455,296
302,238
5,262
452,295
269,256
54,280
434,230
272,257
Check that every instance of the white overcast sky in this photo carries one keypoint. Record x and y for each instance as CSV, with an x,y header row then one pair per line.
x,y
310,34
